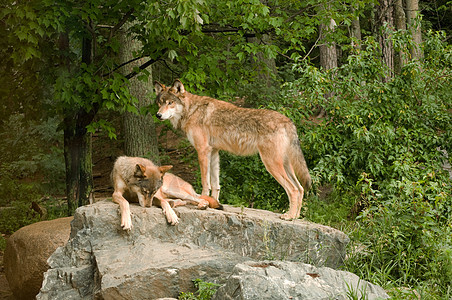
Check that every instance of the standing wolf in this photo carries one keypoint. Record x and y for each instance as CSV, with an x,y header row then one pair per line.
x,y
212,125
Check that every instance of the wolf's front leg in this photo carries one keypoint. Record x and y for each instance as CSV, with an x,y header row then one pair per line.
x,y
204,156
169,213
215,173
126,219
124,208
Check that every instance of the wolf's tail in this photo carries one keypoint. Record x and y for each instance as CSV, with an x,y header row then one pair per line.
x,y
298,162
213,203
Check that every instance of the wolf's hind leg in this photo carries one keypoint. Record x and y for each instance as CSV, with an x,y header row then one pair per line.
x,y
276,167
176,202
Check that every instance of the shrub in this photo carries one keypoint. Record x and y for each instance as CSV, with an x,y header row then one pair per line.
x,y
31,163
385,141
245,181
205,291
382,141
31,166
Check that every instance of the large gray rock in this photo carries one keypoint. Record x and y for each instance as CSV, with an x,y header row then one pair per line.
x,y
156,260
291,280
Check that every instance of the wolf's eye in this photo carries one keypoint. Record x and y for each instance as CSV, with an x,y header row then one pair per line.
x,y
170,102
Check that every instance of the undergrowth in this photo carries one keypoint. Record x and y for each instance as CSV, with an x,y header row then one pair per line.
x,y
381,146
204,291
31,169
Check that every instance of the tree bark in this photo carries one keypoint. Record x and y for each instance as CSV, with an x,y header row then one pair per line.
x,y
400,24
77,143
385,23
139,133
78,159
356,33
328,56
261,61
328,53
413,20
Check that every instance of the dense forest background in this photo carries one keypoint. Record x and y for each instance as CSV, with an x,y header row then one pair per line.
x,y
367,82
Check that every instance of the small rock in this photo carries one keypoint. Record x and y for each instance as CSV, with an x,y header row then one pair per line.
x,y
292,280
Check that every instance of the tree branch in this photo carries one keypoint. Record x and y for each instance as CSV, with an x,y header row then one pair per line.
x,y
121,22
228,29
123,64
142,67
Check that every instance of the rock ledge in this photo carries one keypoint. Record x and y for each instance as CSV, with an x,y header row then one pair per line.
x,y
156,260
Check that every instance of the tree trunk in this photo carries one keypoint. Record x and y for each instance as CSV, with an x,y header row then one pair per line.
x,y
400,24
385,23
77,143
78,159
139,133
413,20
328,56
328,53
265,66
356,32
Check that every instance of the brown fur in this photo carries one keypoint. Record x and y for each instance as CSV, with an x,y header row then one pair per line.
x,y
212,125
175,187
137,179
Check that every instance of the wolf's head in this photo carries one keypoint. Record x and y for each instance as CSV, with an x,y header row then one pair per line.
x,y
169,100
149,180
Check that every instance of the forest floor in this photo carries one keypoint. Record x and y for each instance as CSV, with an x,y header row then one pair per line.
x,y
173,150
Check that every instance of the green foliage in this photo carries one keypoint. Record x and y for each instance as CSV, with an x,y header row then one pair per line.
x,y
380,145
2,243
246,179
30,151
31,165
205,291
17,215
382,140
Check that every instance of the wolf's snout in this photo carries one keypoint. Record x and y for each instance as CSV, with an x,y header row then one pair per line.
x,y
158,115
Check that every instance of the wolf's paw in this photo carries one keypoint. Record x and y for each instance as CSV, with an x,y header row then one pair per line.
x,y
287,217
203,204
172,217
126,223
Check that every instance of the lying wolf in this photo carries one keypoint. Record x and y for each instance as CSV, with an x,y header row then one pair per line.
x,y
212,125
137,179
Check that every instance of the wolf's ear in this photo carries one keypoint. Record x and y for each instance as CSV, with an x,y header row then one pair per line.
x,y
164,169
139,171
158,87
178,87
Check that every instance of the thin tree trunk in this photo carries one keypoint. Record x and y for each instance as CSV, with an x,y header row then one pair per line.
x,y
328,53
328,56
265,66
77,143
400,24
356,32
78,159
413,20
140,137
385,23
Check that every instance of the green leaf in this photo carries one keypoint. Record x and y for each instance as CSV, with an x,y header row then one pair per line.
x,y
172,54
